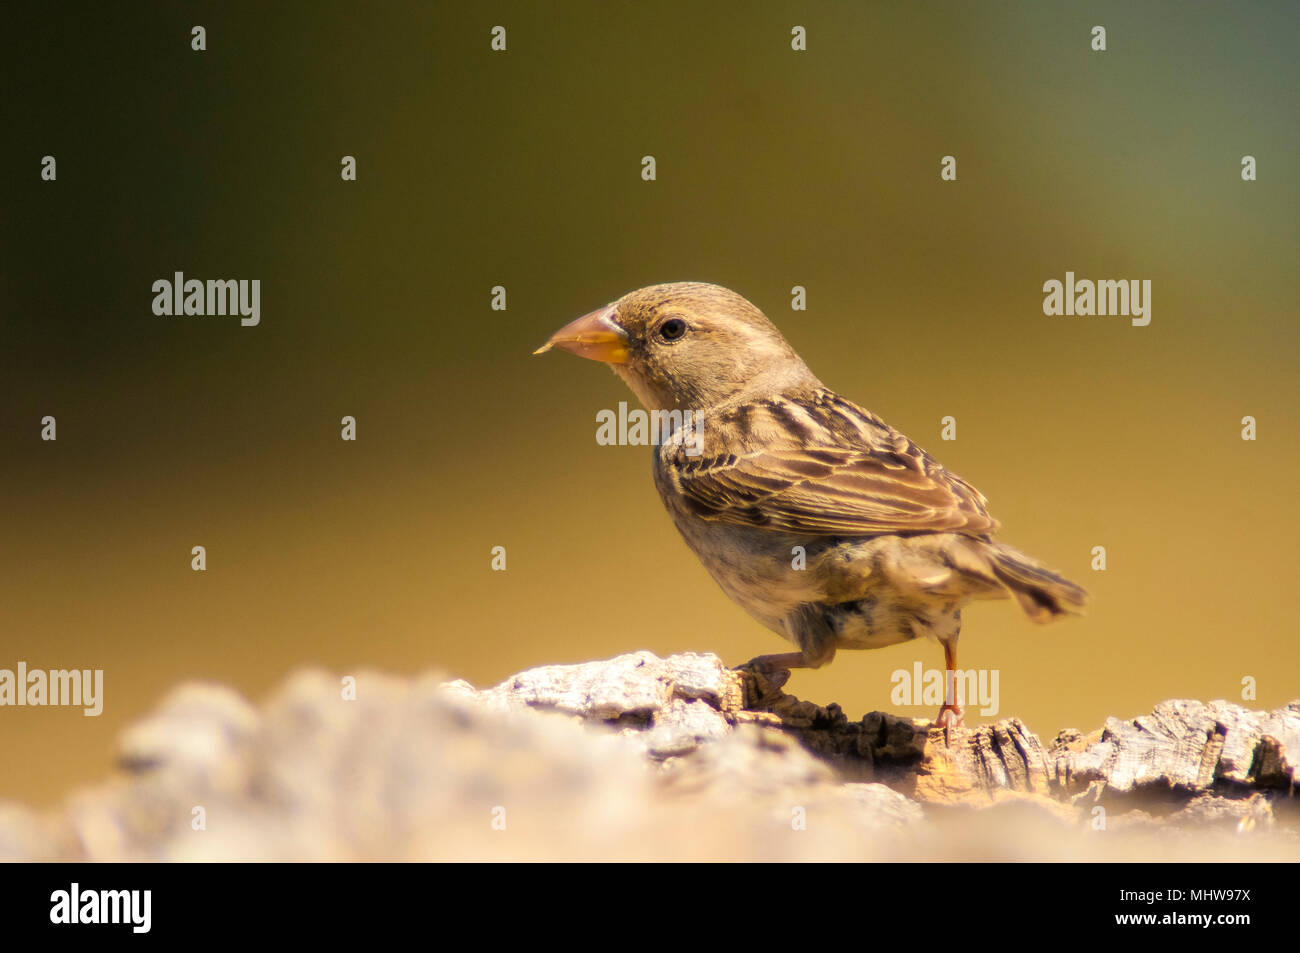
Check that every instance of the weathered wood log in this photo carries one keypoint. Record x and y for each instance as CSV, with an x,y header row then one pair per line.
x,y
1185,746
667,758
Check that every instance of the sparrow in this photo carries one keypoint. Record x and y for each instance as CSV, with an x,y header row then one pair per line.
x,y
825,524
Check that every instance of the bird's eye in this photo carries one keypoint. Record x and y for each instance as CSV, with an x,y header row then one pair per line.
x,y
672,329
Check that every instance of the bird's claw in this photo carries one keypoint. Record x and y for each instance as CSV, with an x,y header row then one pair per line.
x,y
950,720
768,680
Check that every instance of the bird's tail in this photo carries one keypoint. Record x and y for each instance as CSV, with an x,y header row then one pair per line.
x,y
1043,594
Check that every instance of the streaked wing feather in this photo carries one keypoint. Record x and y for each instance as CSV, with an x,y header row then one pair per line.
x,y
823,466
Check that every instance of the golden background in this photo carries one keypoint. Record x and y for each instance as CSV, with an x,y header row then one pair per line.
x,y
775,168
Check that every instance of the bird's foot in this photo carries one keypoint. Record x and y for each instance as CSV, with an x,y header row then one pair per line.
x,y
767,690
769,673
950,720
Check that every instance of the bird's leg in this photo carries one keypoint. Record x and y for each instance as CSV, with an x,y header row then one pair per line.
x,y
783,661
950,715
773,672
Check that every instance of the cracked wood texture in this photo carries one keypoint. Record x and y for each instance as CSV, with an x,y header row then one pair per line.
x,y
661,758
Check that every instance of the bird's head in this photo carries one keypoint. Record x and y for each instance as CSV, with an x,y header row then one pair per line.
x,y
687,346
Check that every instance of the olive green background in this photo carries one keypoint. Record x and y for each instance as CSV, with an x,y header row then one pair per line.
x,y
775,168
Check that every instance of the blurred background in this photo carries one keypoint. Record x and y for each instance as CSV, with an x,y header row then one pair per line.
x,y
522,169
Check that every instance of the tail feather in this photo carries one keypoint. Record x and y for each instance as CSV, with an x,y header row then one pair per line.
x,y
1042,593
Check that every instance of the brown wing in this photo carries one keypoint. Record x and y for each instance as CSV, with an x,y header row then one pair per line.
x,y
822,466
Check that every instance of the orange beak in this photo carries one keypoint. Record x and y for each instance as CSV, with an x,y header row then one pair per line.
x,y
596,336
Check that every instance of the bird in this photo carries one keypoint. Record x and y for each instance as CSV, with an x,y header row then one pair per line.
x,y
827,525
